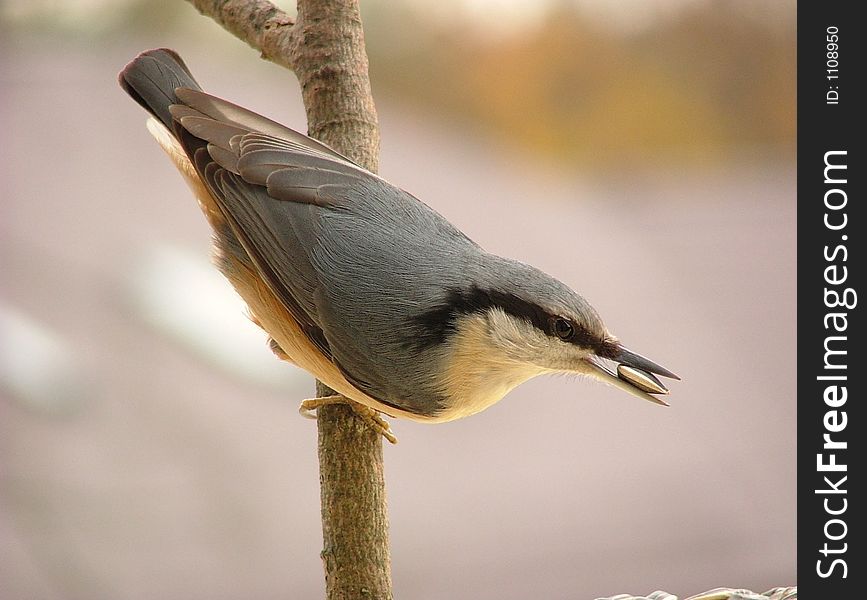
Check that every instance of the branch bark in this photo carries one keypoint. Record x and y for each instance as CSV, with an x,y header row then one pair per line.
x,y
259,23
325,48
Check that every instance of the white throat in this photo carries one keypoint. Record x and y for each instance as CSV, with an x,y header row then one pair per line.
x,y
486,358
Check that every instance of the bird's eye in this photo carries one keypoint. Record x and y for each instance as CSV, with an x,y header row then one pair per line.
x,y
563,328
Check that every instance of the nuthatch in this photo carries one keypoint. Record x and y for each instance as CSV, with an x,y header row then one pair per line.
x,y
360,283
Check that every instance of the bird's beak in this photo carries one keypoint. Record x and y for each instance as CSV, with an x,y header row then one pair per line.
x,y
631,373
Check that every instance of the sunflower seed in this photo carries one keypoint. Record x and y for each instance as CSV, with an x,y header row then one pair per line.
x,y
641,379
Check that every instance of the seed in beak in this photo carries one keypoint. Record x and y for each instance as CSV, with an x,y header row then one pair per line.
x,y
641,379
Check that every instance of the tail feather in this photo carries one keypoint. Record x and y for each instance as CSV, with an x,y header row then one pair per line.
x,y
152,77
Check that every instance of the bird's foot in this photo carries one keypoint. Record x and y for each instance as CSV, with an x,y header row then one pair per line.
x,y
370,416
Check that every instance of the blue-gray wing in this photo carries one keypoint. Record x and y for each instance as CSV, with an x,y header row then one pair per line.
x,y
349,255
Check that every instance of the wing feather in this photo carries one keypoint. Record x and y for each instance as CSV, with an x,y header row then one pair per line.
x,y
227,112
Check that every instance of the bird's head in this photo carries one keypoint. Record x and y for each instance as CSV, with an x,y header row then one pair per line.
x,y
512,328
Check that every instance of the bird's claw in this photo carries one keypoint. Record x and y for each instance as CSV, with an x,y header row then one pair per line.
x,y
370,416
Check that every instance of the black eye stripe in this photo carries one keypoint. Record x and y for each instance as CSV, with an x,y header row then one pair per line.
x,y
569,331
434,326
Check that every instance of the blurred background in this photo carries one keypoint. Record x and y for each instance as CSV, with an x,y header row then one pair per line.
x,y
642,152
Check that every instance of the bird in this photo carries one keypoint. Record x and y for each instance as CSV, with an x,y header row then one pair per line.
x,y
362,284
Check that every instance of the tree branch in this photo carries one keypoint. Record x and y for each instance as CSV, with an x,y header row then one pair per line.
x,y
325,48
259,23
331,65
356,554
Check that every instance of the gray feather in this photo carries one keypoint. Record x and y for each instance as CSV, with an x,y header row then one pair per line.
x,y
226,112
211,131
225,158
152,77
